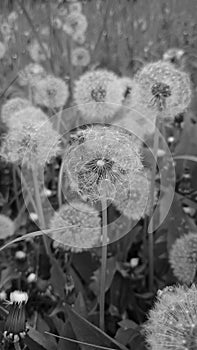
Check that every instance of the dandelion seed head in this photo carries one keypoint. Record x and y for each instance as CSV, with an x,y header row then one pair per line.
x,y
31,74
27,116
103,155
98,94
79,38
7,227
75,22
161,87
172,323
80,57
37,53
183,258
81,227
15,327
51,92
12,106
133,202
18,297
33,142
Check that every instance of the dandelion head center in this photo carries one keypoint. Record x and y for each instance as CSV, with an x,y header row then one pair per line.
x,y
100,162
161,90
98,94
100,167
51,92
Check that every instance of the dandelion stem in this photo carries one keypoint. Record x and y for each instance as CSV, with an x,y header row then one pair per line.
x,y
69,48
59,118
39,207
17,346
151,224
59,186
103,264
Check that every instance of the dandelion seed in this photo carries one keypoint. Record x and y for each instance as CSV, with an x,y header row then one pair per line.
x,y
7,227
31,74
76,22
15,327
81,227
33,142
98,94
3,50
172,323
161,87
103,155
183,258
36,51
51,92
12,106
80,57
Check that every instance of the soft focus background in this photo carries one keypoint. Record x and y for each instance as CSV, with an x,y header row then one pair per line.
x,y
121,36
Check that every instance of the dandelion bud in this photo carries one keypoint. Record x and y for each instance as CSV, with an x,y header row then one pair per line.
x,y
134,262
99,94
81,227
31,278
33,216
172,323
15,326
183,258
20,255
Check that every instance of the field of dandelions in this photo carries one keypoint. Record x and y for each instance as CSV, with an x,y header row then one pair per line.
x,y
98,175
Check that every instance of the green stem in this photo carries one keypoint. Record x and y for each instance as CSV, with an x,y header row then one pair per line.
x,y
17,346
59,118
103,265
39,207
151,224
16,189
23,181
59,186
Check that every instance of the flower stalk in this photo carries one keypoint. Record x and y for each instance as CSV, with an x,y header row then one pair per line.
x,y
103,264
